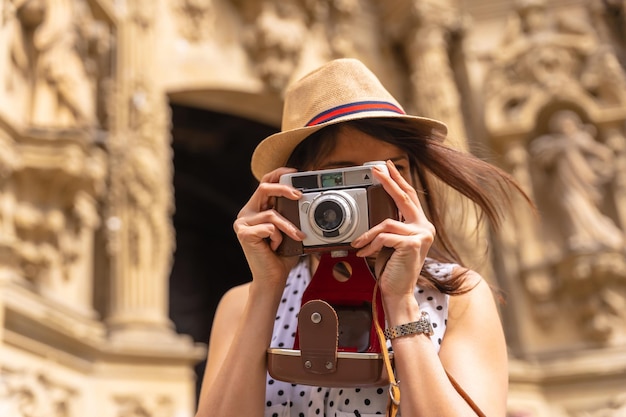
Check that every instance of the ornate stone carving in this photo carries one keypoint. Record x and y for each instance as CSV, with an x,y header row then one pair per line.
x,y
582,244
594,285
615,407
616,140
530,255
195,19
54,217
544,91
140,406
278,33
427,33
336,17
274,37
572,169
20,21
54,172
55,48
26,393
139,202
544,58
609,19
10,161
429,36
142,13
604,79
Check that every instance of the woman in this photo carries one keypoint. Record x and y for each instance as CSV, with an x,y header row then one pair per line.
x,y
339,116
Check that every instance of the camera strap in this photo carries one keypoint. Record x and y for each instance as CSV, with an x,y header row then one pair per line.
x,y
394,386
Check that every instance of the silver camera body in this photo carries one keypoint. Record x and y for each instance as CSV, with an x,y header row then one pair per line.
x,y
337,205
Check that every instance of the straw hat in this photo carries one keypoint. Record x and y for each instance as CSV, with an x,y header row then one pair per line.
x,y
340,90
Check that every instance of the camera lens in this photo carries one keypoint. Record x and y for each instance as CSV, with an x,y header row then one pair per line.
x,y
328,216
333,216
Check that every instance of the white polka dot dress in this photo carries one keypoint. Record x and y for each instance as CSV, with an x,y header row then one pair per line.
x,y
283,399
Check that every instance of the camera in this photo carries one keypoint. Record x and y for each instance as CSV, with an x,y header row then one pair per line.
x,y
336,343
337,206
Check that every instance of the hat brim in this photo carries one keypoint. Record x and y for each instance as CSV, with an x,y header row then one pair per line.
x,y
274,151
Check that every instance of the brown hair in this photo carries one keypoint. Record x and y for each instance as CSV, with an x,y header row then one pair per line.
x,y
432,165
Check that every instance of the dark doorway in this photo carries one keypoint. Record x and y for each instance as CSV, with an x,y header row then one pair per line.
x,y
212,181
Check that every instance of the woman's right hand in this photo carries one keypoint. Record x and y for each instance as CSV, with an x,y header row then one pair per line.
x,y
259,229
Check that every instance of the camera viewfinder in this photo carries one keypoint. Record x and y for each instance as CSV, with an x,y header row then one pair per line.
x,y
332,179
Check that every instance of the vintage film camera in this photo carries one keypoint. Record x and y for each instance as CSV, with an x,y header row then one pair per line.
x,y
337,206
336,341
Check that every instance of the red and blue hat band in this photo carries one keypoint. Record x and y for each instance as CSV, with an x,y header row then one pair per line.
x,y
352,108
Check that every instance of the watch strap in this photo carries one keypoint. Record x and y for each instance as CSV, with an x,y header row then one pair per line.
x,y
420,326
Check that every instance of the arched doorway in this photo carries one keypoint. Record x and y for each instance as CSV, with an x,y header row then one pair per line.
x,y
212,181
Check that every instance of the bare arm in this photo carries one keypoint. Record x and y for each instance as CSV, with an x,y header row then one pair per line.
x,y
234,381
473,351
236,364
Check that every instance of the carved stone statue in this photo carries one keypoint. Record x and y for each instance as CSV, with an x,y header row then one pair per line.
x,y
575,166
51,45
62,93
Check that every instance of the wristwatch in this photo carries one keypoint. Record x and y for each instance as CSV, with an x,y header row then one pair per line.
x,y
416,327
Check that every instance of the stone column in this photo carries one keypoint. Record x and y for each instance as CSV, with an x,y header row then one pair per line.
x,y
526,241
140,199
435,91
435,94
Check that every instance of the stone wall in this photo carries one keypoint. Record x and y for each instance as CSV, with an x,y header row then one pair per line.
x,y
86,194
85,211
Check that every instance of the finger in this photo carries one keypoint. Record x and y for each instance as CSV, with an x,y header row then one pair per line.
x,y
394,227
264,197
386,226
402,193
264,233
267,225
399,182
418,243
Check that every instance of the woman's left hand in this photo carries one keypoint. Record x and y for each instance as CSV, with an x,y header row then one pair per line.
x,y
410,238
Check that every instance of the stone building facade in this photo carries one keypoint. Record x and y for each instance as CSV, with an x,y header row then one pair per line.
x,y
126,128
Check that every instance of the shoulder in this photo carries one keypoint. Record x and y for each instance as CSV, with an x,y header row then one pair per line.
x,y
233,301
477,296
229,312
476,309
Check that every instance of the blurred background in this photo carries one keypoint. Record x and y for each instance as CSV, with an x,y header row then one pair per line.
x,y
126,129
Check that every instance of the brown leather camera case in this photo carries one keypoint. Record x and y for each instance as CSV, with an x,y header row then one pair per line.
x,y
318,362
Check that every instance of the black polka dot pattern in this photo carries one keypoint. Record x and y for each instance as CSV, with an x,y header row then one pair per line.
x,y
284,399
